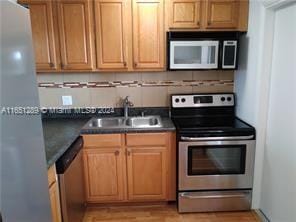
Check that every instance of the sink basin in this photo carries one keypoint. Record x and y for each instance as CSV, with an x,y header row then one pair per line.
x,y
143,122
106,122
121,122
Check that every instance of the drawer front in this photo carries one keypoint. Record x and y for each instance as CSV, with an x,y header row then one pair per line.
x,y
146,139
214,201
51,173
102,140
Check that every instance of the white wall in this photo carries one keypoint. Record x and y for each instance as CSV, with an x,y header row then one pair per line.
x,y
274,197
247,85
246,77
278,192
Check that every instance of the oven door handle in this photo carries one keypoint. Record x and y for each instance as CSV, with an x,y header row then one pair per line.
x,y
185,138
199,196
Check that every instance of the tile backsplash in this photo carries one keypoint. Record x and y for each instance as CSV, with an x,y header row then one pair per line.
x,y
151,89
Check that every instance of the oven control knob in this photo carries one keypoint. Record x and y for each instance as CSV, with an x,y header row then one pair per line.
x,y
183,100
177,100
222,99
229,99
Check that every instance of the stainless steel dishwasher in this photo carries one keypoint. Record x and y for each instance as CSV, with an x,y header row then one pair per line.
x,y
70,174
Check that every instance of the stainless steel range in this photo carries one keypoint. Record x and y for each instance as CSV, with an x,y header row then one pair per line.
x,y
216,154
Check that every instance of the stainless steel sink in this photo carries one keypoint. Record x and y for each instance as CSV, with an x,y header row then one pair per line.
x,y
121,122
143,122
106,122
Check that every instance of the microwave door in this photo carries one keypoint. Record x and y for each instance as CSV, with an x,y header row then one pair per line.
x,y
185,55
194,54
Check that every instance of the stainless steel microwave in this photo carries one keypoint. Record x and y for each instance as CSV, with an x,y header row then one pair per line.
x,y
202,50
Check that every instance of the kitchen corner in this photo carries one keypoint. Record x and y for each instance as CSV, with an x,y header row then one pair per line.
x,y
59,134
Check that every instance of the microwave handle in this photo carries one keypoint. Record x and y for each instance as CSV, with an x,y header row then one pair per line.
x,y
185,138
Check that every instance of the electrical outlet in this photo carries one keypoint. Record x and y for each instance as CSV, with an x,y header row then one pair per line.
x,y
67,100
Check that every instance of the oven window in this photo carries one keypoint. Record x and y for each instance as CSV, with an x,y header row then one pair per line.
x,y
216,160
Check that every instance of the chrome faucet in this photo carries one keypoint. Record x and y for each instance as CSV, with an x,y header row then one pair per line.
x,y
126,104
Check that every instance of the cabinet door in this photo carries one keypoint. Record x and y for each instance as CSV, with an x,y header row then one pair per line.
x,y
184,14
222,13
55,202
104,170
76,34
43,34
148,34
111,30
147,173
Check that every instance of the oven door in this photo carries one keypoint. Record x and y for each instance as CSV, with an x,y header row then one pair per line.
x,y
221,164
194,54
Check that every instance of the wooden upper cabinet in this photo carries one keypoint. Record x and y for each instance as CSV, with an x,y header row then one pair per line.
x,y
104,169
111,32
121,35
148,34
43,34
222,14
184,13
147,173
75,21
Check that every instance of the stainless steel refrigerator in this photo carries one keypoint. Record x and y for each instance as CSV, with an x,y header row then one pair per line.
x,y
24,186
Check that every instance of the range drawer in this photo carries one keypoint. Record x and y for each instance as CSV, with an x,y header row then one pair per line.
x,y
214,201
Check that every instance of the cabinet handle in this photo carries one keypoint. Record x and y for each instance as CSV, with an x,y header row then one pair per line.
x,y
124,64
51,64
128,152
197,23
135,64
116,153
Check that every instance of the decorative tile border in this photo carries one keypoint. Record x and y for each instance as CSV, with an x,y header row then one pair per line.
x,y
105,84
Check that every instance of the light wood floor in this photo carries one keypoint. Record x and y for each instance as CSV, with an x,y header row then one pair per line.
x,y
162,213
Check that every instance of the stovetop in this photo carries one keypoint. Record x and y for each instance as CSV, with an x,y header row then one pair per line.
x,y
204,127
207,115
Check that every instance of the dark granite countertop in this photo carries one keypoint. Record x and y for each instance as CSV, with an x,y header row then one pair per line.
x,y
59,134
60,131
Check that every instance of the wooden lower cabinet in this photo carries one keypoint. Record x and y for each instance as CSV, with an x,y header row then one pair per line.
x,y
55,203
54,195
135,171
104,169
147,173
